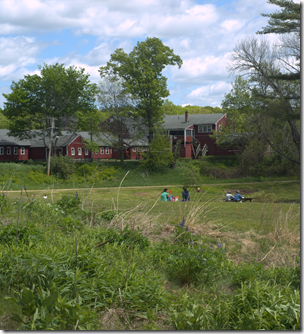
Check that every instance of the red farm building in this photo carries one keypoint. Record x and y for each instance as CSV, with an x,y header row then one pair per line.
x,y
194,133
13,149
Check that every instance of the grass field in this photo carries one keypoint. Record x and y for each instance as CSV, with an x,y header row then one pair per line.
x,y
116,258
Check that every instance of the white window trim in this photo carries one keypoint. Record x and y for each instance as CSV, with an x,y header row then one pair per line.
x,y
101,150
8,151
86,151
22,150
107,150
73,151
79,150
134,149
1,150
201,128
15,150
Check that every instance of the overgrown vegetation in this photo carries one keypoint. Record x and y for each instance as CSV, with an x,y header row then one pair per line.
x,y
76,265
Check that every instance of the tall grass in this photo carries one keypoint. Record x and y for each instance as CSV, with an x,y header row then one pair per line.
x,y
137,262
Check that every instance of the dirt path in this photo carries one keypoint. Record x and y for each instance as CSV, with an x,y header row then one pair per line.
x,y
168,186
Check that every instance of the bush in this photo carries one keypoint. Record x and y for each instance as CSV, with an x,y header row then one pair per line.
x,y
69,204
62,166
25,234
159,155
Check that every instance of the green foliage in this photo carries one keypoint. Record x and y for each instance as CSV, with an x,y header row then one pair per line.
x,y
69,204
159,155
191,174
26,234
5,203
263,197
45,310
169,108
108,215
62,166
288,20
141,71
57,92
126,237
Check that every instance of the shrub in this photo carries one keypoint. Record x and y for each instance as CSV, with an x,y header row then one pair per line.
x,y
25,234
69,204
62,166
159,155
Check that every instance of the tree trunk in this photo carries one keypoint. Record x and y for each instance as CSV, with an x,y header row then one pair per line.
x,y
175,154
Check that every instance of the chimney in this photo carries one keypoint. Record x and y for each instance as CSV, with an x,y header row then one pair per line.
x,y
186,116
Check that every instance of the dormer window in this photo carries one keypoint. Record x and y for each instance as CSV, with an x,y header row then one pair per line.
x,y
204,128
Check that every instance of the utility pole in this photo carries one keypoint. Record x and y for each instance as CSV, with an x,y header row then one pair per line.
x,y
50,146
91,138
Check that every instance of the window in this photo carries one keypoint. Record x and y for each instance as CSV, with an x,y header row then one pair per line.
x,y
107,151
138,150
79,151
220,127
86,151
102,151
205,128
72,151
176,133
8,151
1,150
15,150
134,149
22,150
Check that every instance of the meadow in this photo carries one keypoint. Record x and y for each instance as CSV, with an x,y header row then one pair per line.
x,y
115,257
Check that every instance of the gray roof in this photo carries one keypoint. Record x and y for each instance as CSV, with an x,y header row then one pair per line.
x,y
105,139
178,121
5,139
63,140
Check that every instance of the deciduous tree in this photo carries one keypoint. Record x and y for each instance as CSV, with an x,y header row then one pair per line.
x,y
57,93
141,71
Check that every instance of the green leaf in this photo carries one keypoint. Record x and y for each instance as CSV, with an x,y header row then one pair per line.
x,y
16,317
12,299
27,296
51,299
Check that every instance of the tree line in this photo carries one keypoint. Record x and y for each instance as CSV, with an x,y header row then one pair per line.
x,y
263,105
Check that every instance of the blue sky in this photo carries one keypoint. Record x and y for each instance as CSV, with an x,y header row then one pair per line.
x,y
85,33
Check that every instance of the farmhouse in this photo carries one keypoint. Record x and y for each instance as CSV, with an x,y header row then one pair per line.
x,y
190,132
193,131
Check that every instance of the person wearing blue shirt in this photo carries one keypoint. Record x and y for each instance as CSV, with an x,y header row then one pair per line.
x,y
185,195
238,197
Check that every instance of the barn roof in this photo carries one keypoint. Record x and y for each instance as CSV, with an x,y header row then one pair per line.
x,y
5,139
178,121
63,140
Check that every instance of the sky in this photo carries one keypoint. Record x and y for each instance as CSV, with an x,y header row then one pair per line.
x,y
85,33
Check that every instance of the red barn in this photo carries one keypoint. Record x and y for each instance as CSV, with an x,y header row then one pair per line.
x,y
13,149
194,133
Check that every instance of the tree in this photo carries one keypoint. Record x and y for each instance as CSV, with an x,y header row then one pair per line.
x,y
4,124
56,95
160,153
141,71
117,103
288,20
